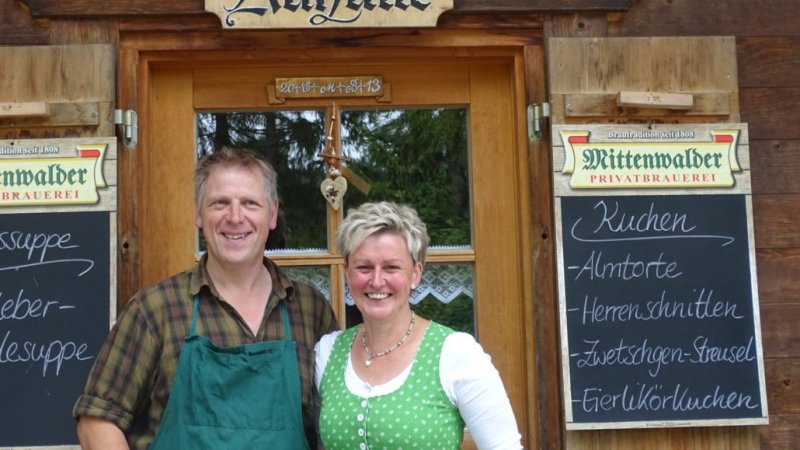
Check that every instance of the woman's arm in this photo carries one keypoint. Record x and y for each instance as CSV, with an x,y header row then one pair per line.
x,y
473,384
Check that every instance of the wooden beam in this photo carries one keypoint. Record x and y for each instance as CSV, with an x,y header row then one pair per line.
x,y
607,105
58,115
658,100
88,8
24,109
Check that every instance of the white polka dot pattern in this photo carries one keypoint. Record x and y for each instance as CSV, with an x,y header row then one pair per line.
x,y
416,416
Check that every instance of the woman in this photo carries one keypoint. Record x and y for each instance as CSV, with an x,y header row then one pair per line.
x,y
398,380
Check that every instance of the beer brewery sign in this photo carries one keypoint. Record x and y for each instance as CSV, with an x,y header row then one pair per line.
x,y
327,13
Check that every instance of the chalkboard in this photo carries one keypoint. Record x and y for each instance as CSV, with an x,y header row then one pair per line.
x,y
660,324
54,314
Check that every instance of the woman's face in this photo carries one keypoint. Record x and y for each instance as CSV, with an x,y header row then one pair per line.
x,y
380,273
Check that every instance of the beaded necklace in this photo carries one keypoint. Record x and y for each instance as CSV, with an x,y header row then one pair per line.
x,y
371,355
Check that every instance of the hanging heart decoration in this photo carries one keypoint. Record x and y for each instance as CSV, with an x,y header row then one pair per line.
x,y
333,189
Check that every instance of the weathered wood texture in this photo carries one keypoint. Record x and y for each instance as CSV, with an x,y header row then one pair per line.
x,y
545,372
75,82
768,60
80,8
586,75
18,28
708,18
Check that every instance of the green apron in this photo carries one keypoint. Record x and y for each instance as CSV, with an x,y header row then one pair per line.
x,y
245,397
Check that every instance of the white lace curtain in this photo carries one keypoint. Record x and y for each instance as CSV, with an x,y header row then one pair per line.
x,y
444,282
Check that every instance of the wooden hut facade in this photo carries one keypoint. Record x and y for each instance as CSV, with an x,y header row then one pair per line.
x,y
160,61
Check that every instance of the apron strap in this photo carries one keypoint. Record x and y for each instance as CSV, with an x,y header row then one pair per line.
x,y
287,329
194,314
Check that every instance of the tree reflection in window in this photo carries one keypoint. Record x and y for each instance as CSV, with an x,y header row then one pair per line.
x,y
413,156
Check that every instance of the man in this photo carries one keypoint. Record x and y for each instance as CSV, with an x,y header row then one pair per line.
x,y
207,359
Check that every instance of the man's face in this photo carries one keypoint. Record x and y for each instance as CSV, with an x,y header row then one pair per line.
x,y
236,216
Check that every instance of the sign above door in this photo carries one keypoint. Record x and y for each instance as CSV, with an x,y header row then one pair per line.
x,y
278,14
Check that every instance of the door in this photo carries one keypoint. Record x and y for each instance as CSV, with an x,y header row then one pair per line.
x,y
446,136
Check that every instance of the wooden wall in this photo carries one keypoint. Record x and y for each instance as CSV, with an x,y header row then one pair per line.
x,y
768,55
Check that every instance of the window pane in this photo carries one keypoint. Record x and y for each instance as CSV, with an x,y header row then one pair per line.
x,y
446,295
413,156
290,140
317,276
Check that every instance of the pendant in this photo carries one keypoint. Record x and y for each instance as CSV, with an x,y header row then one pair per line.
x,y
333,190
367,362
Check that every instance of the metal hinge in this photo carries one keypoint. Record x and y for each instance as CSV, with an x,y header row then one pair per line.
x,y
130,126
536,112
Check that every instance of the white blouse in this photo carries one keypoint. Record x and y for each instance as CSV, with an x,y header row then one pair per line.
x,y
469,379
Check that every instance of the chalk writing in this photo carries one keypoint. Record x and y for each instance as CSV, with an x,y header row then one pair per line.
x,y
659,315
704,307
626,269
21,307
47,353
54,314
657,397
673,224
37,245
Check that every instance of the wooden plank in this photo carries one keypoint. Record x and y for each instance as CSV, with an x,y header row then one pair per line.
x,y
58,115
251,46
489,21
658,100
66,8
18,28
608,105
476,20
541,5
493,124
768,109
663,64
782,391
247,87
782,433
772,61
780,334
165,178
775,221
577,25
778,275
547,426
57,73
23,109
775,166
96,31
705,438
709,18
129,262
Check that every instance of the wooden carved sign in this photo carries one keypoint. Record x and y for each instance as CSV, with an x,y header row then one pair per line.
x,y
327,13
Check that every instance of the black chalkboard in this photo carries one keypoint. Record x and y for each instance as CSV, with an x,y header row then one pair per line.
x,y
659,310
54,315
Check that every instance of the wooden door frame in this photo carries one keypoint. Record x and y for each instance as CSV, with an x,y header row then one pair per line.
x,y
141,52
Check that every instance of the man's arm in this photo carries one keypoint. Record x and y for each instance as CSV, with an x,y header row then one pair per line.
x,y
95,433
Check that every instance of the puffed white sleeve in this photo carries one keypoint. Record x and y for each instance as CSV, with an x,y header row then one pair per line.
x,y
473,384
322,350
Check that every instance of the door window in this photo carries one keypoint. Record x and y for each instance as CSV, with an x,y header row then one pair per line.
x,y
416,156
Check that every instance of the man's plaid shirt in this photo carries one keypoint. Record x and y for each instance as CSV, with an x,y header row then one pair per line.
x,y
130,382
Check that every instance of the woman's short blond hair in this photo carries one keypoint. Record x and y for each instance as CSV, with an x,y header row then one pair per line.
x,y
383,217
